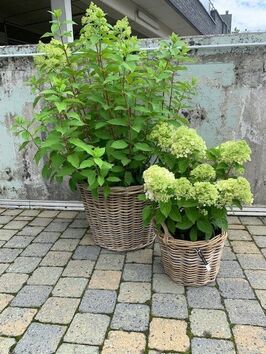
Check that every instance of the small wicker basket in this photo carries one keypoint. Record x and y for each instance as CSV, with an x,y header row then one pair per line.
x,y
191,263
116,222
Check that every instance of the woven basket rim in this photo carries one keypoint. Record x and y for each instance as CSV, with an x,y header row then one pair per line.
x,y
118,189
190,244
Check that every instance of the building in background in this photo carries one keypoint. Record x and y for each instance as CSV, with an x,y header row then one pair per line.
x,y
25,21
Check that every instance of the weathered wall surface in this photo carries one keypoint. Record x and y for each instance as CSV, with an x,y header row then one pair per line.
x,y
230,104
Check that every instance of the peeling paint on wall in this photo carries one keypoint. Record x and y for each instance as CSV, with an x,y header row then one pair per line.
x,y
230,104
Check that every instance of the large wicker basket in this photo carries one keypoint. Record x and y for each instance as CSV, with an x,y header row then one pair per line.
x,y
191,263
116,222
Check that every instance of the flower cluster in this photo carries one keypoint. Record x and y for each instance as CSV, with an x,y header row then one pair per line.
x,y
234,152
161,185
234,189
54,55
206,193
158,183
94,21
183,189
122,28
203,172
162,135
182,142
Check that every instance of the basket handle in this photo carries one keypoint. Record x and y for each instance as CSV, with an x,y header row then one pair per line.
x,y
166,232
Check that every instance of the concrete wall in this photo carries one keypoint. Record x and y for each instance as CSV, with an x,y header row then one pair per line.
x,y
230,104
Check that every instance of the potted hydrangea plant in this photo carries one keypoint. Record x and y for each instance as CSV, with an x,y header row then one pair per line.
x,y
189,189
100,97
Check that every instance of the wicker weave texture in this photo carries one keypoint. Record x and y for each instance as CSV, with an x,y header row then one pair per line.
x,y
116,222
182,263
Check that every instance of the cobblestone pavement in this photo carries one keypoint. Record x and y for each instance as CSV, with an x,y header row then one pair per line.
x,y
59,293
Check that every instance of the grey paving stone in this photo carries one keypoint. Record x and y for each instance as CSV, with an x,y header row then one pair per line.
x,y
67,348
87,328
230,269
40,222
74,233
235,288
169,306
228,255
241,235
140,256
260,241
6,344
58,310
40,338
79,268
67,214
77,223
12,212
8,254
23,218
32,296
98,301
24,265
257,278
261,294
110,261
15,225
263,251
45,276
233,220
65,245
87,240
48,213
56,258
3,267
245,312
256,230
31,231
131,317
70,287
204,297
6,235
90,253
157,266
37,249
56,226
212,323
137,272
252,261
163,284
134,292
2,242
212,346
157,249
250,220
19,242
12,282
47,237
81,215
30,212
4,219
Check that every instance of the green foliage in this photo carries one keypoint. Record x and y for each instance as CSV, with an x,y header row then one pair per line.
x,y
100,98
191,189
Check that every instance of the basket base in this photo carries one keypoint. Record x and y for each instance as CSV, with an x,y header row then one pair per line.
x,y
123,249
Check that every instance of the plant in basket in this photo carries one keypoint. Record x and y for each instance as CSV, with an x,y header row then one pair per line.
x,y
100,98
189,189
